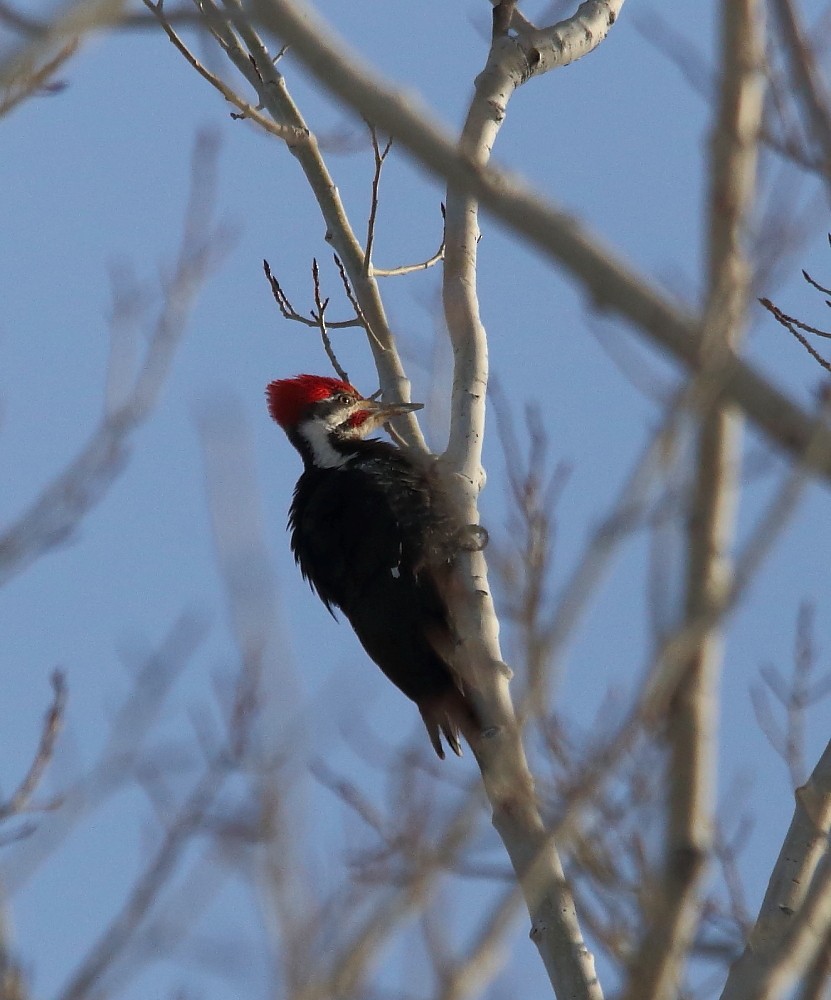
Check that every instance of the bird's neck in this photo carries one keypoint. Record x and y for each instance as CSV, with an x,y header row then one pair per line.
x,y
321,448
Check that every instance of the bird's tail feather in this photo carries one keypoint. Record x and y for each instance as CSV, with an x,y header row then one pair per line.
x,y
449,714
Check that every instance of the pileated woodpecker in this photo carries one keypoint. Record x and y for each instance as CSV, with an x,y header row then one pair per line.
x,y
373,537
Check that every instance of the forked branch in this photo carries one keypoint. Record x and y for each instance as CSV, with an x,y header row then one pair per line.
x,y
796,327
289,312
246,109
390,272
379,155
609,282
317,316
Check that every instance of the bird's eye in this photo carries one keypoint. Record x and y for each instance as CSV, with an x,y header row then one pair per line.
x,y
344,399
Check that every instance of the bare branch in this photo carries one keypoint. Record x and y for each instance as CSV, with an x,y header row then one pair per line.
x,y
486,956
285,132
795,697
627,507
262,722
120,755
56,514
674,912
389,272
727,853
501,757
788,139
110,16
347,287
52,723
815,983
42,40
610,284
319,315
349,795
524,569
379,156
107,951
246,50
675,650
289,312
519,22
795,917
347,967
808,85
12,982
39,80
793,326
503,15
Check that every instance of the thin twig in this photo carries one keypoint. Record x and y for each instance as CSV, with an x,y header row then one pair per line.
x,y
289,312
486,955
347,967
390,272
38,80
52,723
807,83
245,48
146,891
285,132
120,757
379,157
350,795
353,300
319,315
795,696
393,272
792,326
788,320
811,281
53,516
603,276
727,852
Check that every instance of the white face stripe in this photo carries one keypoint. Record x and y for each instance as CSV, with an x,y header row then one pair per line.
x,y
316,434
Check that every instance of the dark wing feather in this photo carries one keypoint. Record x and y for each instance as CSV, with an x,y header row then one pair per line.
x,y
359,535
346,531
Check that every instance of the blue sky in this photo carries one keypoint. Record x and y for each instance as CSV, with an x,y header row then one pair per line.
x,y
95,178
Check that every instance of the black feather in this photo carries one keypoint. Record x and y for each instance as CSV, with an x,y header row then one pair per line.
x,y
372,538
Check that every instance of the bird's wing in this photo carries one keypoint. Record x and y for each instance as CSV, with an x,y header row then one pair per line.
x,y
346,534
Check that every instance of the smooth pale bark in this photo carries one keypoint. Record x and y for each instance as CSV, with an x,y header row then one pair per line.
x,y
794,920
609,282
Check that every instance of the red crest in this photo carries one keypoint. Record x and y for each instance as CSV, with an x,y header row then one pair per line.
x,y
288,398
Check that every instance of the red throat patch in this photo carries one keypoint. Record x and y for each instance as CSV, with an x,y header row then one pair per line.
x,y
288,398
359,418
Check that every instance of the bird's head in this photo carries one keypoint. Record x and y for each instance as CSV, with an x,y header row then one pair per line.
x,y
321,416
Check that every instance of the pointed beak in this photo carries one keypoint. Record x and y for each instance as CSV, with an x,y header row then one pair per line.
x,y
382,412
